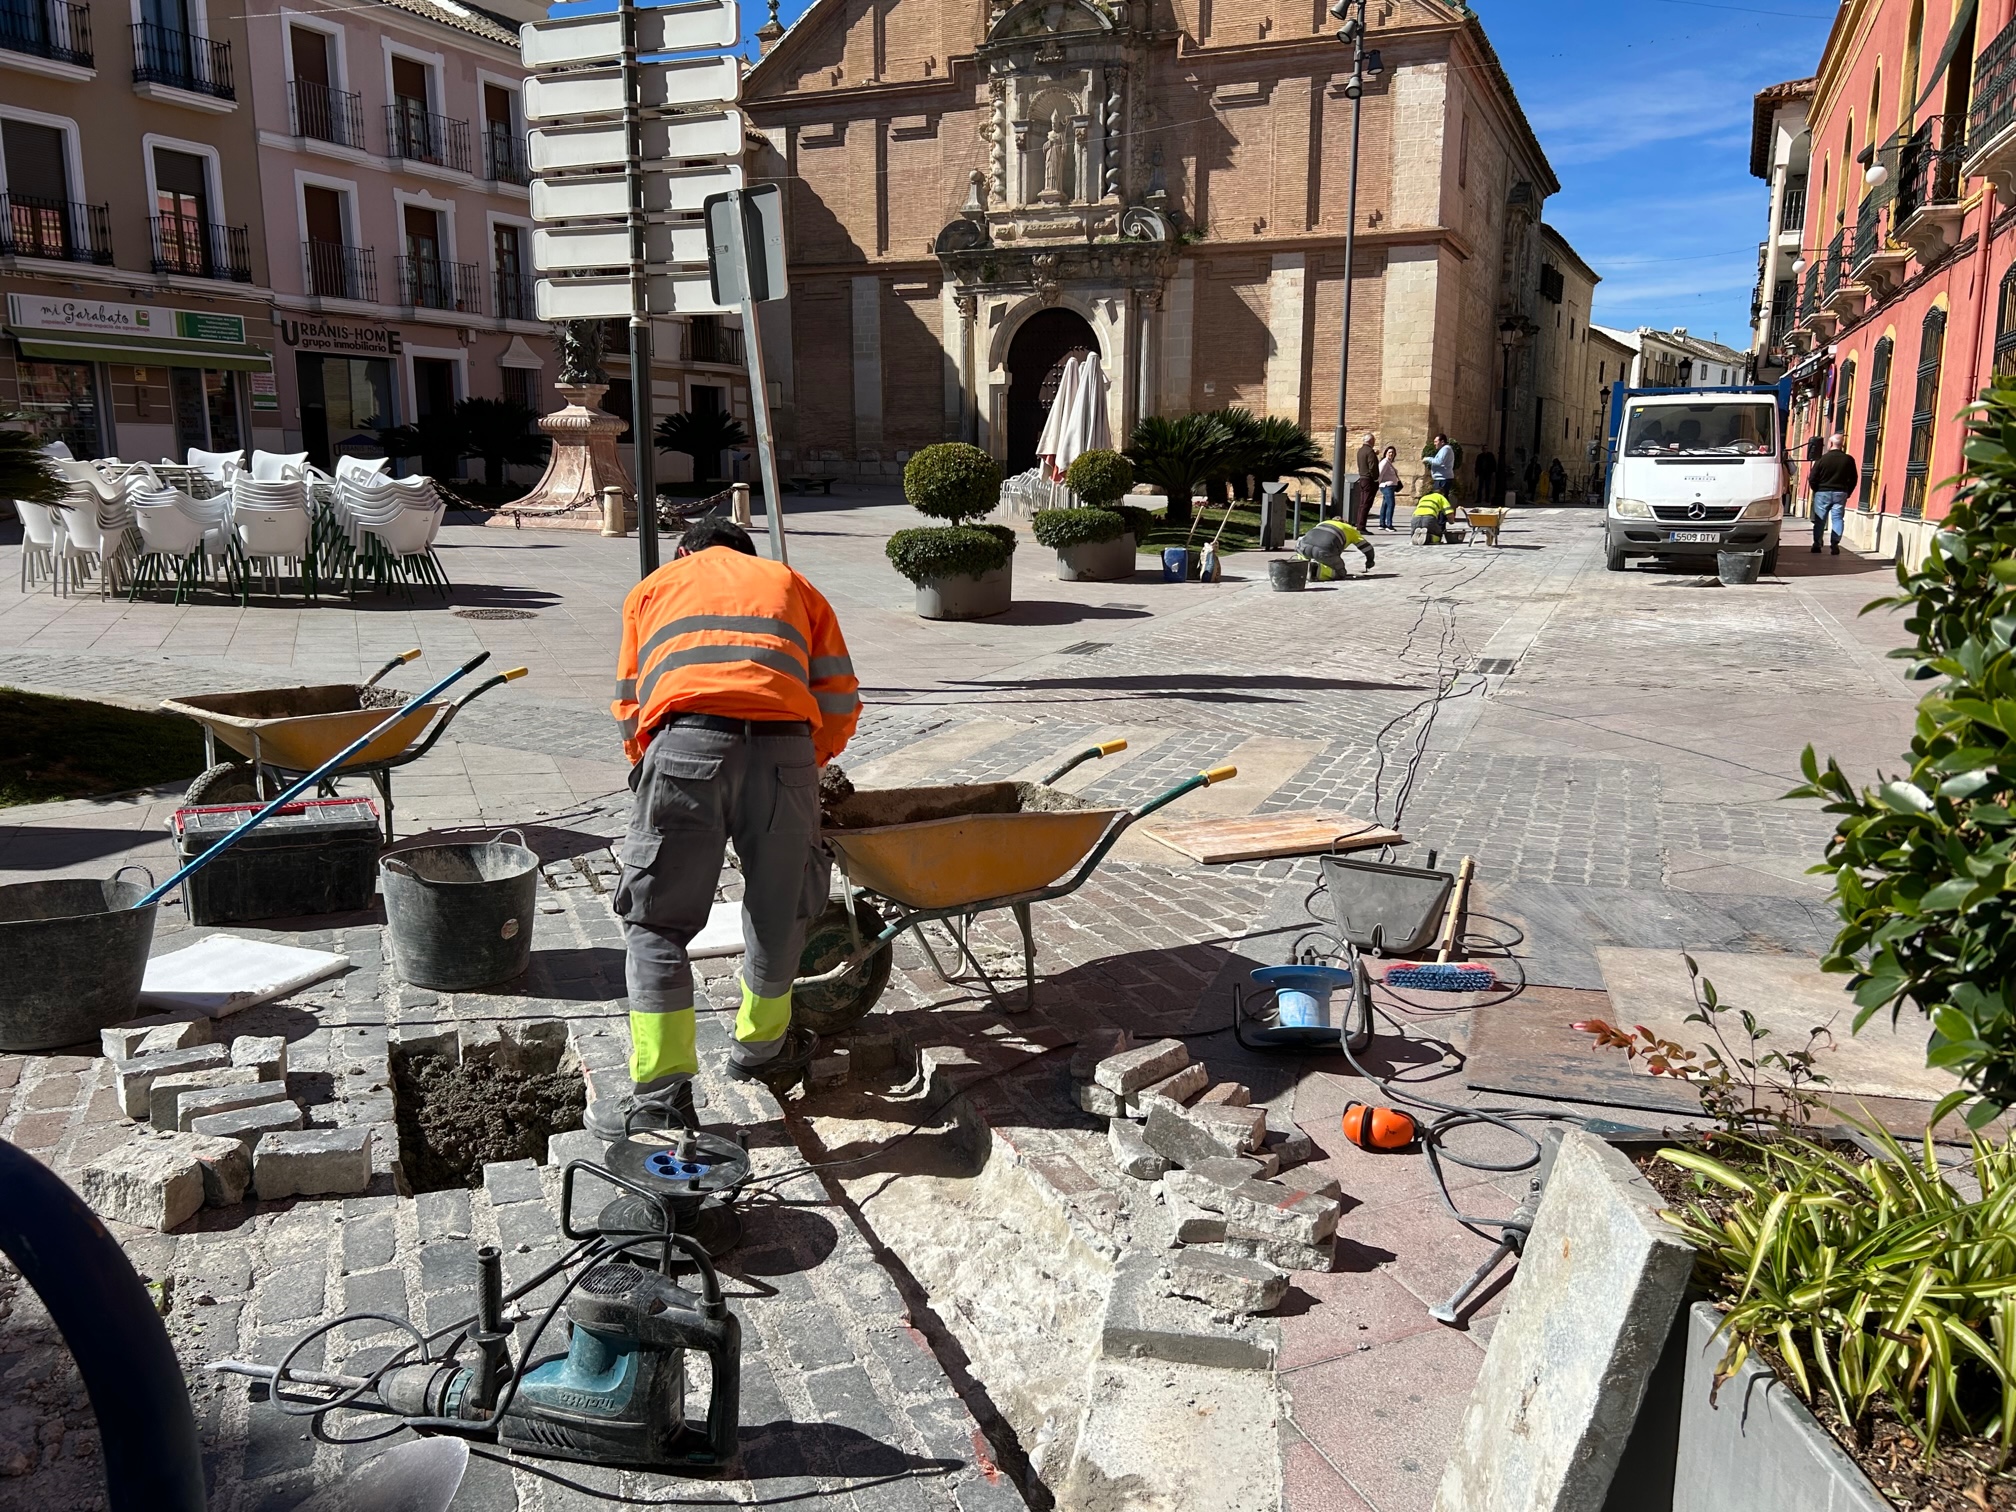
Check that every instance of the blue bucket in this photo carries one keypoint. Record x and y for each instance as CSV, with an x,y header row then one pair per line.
x,y
1175,564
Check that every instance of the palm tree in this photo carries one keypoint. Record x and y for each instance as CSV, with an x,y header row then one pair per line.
x,y
1175,455
436,439
24,472
1283,449
501,432
702,435
1242,445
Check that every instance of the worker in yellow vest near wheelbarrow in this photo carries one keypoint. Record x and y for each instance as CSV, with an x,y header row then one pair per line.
x,y
1325,546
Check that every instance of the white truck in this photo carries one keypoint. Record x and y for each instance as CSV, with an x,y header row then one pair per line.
x,y
1692,472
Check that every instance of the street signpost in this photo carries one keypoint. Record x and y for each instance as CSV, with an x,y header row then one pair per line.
x,y
621,234
745,266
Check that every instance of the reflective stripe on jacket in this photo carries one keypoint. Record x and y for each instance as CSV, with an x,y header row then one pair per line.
x,y
1433,504
737,636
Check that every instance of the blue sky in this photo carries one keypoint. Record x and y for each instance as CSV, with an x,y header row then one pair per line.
x,y
1644,109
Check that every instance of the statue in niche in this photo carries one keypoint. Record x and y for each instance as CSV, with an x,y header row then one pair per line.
x,y
1056,161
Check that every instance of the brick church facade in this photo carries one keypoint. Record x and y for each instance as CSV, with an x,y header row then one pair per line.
x,y
977,187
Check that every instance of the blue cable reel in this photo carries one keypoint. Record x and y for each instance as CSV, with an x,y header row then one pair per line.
x,y
1305,1013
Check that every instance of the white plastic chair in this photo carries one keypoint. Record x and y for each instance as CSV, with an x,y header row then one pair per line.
x,y
219,556
362,467
218,465
169,539
274,540
59,450
38,543
272,467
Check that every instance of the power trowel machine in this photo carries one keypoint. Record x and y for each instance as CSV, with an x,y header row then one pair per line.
x,y
617,1396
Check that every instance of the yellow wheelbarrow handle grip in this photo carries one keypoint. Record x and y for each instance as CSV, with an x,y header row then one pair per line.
x,y
409,656
1112,747
517,672
1219,774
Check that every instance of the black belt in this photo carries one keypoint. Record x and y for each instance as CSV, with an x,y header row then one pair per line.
x,y
749,729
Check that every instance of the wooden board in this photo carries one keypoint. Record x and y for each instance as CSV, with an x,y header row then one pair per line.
x,y
1260,837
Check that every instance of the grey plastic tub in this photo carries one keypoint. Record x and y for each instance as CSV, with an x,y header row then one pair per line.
x,y
460,916
1288,574
1392,909
72,953
1738,568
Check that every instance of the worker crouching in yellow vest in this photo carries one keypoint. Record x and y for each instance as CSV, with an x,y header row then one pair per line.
x,y
1431,517
1325,546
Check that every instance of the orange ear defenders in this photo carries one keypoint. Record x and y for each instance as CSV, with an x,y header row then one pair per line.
x,y
1373,1128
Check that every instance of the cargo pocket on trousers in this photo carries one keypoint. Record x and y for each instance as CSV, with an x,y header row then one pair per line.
x,y
796,810
682,795
639,855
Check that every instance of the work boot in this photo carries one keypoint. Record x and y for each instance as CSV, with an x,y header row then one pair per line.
x,y
1835,548
612,1118
783,1070
1816,548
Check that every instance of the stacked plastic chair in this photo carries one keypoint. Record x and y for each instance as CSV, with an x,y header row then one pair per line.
x,y
190,538
94,528
220,467
274,530
278,467
38,543
390,525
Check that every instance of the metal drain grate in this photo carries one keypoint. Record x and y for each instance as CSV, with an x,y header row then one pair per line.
x,y
1497,666
1086,648
495,614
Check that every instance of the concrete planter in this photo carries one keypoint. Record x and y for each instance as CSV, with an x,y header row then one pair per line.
x,y
1755,1447
967,598
1097,561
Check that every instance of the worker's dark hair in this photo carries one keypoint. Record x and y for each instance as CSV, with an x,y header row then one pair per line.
x,y
716,532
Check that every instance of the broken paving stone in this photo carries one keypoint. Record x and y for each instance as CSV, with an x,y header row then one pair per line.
x,y
249,1125
1131,1070
1096,1100
1307,1178
1226,1095
135,1077
1247,1127
1286,1141
148,1183
1286,1253
1189,1136
830,1068
176,1030
1195,1224
226,1165
164,1098
1268,1210
1177,1089
1207,1182
264,1053
1131,1153
191,1106
1097,1045
312,1163
1231,1283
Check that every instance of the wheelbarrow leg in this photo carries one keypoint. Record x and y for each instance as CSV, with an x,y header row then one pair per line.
x,y
383,781
1028,958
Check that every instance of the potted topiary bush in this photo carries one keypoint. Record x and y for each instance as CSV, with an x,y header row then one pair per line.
x,y
962,571
1096,542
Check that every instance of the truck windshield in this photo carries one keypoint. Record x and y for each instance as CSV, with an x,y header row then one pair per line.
x,y
1699,430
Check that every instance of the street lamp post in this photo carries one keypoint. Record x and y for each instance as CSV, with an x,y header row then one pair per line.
x,y
1365,63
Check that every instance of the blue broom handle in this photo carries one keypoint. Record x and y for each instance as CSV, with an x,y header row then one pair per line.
x,y
309,781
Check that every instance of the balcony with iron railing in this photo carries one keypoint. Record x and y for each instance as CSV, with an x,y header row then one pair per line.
x,y
427,283
336,271
707,340
1781,320
196,248
514,295
51,29
1792,209
1991,119
1927,214
504,155
420,136
182,60
63,230
1875,263
323,114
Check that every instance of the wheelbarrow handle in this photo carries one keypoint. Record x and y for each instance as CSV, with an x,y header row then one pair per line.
x,y
440,726
307,782
1208,778
1090,753
398,661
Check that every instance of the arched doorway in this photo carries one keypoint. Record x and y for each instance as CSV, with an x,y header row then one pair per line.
x,y
1035,363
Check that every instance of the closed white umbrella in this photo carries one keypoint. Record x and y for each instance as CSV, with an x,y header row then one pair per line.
x,y
1095,432
1053,448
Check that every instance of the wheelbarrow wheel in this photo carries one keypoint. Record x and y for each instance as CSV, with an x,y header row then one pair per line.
x,y
831,1007
226,782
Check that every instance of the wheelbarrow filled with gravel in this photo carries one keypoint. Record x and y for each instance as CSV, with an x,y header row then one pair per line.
x,y
945,855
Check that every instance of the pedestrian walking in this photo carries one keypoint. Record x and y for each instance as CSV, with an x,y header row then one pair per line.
x,y
1833,479
1557,481
733,688
1368,475
1389,485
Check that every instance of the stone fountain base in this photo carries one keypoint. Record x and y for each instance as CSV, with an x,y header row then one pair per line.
x,y
583,463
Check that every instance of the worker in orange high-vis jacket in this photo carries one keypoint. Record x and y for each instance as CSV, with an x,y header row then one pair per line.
x,y
733,688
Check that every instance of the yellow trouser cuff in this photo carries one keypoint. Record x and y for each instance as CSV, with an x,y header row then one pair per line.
x,y
661,1044
762,1019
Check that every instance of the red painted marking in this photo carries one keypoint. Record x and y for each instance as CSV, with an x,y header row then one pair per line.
x,y
985,1460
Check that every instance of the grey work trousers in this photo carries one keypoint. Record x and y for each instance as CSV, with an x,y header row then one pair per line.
x,y
698,789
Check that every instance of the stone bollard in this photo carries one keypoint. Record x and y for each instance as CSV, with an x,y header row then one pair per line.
x,y
613,521
738,495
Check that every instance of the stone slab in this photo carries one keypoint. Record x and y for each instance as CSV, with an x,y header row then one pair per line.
x,y
191,1106
1178,1089
264,1053
1227,1095
155,1032
1268,1210
1289,1254
1099,1102
164,1097
1206,1183
1588,1314
147,1183
135,1078
1194,1224
1187,1138
1131,1153
250,1124
1096,1045
1131,1070
1144,1322
1229,1283
312,1163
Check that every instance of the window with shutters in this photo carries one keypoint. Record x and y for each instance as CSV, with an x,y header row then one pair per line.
x,y
1924,414
1844,398
182,211
2005,325
1872,425
40,219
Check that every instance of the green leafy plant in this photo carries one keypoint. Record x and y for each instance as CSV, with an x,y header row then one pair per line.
x,y
1099,477
1745,1086
1924,864
436,439
702,435
952,481
24,472
1060,528
942,551
502,432
1177,455
1873,1280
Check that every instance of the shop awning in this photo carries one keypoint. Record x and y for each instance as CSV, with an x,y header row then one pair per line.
x,y
236,356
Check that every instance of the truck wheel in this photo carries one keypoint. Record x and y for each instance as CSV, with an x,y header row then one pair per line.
x,y
1771,562
1613,558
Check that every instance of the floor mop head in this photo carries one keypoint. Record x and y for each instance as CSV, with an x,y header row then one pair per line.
x,y
1440,976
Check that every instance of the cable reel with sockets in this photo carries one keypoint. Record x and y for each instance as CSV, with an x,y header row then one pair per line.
x,y
692,1176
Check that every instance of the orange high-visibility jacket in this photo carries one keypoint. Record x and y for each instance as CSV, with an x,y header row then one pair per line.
x,y
742,637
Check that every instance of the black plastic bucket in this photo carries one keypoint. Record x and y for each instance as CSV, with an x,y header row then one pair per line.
x,y
1288,574
72,954
1738,568
460,916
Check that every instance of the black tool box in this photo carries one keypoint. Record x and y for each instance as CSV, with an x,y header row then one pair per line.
x,y
319,856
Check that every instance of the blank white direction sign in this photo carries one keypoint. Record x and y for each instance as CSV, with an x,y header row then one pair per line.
x,y
591,92
568,249
607,196
609,298
560,149
660,29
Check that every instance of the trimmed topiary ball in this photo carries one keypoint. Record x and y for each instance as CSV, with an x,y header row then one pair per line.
x,y
942,551
1059,528
1099,477
952,481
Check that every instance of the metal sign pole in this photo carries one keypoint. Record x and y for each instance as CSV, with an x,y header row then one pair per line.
x,y
641,429
759,388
